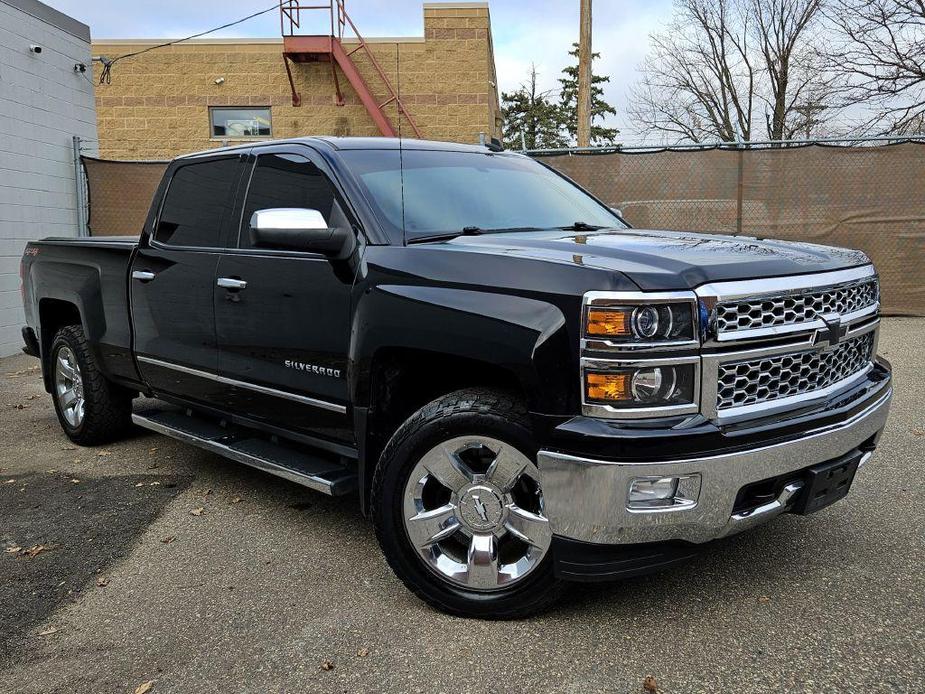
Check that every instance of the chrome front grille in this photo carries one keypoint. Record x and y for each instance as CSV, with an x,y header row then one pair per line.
x,y
773,377
751,314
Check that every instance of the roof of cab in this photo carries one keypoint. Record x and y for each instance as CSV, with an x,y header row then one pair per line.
x,y
345,143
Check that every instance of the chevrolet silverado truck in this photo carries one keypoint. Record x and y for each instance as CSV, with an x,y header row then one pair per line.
x,y
520,389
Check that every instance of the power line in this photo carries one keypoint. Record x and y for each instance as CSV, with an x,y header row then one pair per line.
x,y
106,76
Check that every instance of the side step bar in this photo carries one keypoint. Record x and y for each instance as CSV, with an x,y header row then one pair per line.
x,y
245,446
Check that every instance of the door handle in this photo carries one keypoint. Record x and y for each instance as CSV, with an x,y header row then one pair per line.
x,y
231,283
143,275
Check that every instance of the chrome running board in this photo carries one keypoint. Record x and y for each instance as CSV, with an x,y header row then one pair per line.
x,y
245,446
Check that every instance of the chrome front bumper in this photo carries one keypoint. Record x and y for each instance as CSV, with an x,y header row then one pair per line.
x,y
587,499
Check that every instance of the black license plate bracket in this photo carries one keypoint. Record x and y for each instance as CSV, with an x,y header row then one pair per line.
x,y
826,483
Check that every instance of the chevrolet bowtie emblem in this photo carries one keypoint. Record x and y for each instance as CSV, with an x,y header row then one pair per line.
x,y
833,333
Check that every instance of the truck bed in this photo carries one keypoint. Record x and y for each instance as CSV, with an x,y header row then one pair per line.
x,y
63,277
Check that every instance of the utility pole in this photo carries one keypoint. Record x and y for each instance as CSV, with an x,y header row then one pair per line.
x,y
810,121
584,76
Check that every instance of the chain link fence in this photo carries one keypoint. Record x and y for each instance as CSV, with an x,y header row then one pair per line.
x,y
865,194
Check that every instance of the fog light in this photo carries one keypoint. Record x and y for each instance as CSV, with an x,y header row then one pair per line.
x,y
662,493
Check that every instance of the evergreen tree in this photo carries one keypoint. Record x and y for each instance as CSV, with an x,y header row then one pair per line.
x,y
531,118
568,103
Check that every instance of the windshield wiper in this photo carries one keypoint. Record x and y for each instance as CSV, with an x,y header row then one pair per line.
x,y
581,226
466,231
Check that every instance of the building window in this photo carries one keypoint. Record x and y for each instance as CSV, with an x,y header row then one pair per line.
x,y
240,122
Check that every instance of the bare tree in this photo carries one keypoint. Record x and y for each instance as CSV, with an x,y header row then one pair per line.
x,y
797,83
881,53
719,62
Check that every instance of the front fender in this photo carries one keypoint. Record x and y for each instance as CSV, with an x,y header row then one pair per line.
x,y
525,336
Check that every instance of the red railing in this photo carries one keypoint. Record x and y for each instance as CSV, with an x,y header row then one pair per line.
x,y
291,26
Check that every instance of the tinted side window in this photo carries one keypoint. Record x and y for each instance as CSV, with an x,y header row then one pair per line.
x,y
199,199
288,180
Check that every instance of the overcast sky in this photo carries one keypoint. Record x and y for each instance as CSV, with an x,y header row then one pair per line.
x,y
525,31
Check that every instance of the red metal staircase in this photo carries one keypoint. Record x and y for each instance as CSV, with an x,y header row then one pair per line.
x,y
307,48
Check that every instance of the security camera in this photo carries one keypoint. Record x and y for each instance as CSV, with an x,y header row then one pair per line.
x,y
35,48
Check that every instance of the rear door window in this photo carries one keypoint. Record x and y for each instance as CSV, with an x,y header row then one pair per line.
x,y
199,202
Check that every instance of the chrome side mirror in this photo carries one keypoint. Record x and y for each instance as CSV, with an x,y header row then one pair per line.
x,y
299,229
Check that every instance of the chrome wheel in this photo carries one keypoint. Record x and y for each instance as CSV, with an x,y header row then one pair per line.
x,y
69,387
473,509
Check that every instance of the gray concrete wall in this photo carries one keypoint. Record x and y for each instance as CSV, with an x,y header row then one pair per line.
x,y
43,104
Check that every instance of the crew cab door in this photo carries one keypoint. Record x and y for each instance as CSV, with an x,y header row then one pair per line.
x,y
173,279
283,317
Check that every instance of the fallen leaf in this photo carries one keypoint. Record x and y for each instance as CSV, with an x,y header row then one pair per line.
x,y
167,540
154,484
197,511
363,652
152,450
145,687
102,581
48,631
764,598
34,551
139,484
68,448
24,372
918,432
75,481
15,549
103,454
10,482
650,684
327,665
236,499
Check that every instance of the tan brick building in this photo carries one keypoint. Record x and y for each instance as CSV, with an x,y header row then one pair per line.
x,y
202,94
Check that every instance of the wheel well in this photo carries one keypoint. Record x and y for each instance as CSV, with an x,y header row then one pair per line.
x,y
403,381
54,314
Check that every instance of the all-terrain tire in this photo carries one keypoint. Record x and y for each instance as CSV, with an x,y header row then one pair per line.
x,y
107,407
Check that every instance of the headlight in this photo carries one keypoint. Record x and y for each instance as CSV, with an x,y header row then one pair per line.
x,y
642,323
648,386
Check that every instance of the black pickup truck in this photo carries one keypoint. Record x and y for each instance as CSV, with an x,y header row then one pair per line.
x,y
521,389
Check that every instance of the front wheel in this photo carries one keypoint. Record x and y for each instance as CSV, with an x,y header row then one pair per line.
x,y
459,510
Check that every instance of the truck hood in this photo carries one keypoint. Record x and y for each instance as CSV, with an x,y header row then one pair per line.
x,y
662,260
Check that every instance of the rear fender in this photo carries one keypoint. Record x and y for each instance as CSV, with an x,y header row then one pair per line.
x,y
74,285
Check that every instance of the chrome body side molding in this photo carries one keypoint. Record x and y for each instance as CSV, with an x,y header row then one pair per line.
x,y
303,399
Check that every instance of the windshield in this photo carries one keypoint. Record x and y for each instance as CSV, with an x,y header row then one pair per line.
x,y
447,192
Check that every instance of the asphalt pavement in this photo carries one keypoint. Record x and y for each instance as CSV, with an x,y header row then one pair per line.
x,y
152,561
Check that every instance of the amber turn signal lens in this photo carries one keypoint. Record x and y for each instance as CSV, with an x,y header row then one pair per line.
x,y
607,386
605,322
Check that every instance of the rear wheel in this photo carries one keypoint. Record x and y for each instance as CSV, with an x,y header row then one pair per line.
x,y
459,510
91,409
